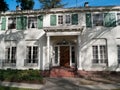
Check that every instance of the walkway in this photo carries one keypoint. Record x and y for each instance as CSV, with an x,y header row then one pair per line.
x,y
62,84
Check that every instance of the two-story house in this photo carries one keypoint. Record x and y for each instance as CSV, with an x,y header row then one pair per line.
x,y
87,38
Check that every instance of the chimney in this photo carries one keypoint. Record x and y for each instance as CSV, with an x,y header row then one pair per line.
x,y
86,4
18,8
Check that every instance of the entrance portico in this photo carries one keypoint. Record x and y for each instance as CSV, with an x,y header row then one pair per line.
x,y
63,47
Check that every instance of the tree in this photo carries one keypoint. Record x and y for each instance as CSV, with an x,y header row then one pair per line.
x,y
26,4
48,4
3,6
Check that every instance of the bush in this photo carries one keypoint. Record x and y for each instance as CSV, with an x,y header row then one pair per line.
x,y
21,76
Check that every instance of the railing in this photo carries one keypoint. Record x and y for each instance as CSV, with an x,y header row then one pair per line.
x,y
9,62
31,62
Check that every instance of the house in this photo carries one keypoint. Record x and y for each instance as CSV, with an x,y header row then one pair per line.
x,y
85,37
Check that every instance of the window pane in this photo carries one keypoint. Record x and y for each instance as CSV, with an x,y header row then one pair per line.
x,y
118,48
35,54
103,54
98,19
28,57
60,19
56,55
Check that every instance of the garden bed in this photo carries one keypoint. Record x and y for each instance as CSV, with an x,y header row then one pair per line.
x,y
24,76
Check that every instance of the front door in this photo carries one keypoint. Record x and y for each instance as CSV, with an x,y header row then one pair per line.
x,y
65,56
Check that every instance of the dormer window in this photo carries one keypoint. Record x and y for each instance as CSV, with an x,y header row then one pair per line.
x,y
12,23
32,22
68,19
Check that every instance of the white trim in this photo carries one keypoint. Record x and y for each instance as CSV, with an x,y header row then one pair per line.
x,y
62,33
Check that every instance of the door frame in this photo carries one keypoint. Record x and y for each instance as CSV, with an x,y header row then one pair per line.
x,y
58,54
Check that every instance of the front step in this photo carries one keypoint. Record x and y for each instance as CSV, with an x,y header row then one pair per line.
x,y
62,72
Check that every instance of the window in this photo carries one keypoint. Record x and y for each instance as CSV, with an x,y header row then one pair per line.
x,y
10,55
12,23
32,22
68,19
118,50
56,55
118,18
60,19
32,55
99,54
98,19
53,20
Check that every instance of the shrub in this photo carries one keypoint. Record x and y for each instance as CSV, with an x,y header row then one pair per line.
x,y
21,76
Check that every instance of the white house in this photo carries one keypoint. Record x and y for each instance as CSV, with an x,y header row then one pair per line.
x,y
87,38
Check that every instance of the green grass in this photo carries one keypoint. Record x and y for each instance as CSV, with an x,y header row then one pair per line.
x,y
13,88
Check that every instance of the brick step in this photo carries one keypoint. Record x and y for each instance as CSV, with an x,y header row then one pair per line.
x,y
62,72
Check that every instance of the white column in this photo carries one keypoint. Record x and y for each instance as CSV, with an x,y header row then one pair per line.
x,y
48,49
79,63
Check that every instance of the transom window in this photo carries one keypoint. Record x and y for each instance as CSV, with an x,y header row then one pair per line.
x,y
12,23
32,55
60,19
98,19
68,19
118,18
99,54
118,51
32,22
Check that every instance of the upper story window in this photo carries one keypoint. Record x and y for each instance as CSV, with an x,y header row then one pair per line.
x,y
118,18
32,22
12,23
60,19
68,19
98,19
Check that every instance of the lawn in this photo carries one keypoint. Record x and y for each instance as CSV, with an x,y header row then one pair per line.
x,y
12,88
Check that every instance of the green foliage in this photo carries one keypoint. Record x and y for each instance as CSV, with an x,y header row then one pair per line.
x,y
48,4
21,76
26,4
3,5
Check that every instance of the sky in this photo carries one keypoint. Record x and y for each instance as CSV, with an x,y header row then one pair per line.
x,y
71,3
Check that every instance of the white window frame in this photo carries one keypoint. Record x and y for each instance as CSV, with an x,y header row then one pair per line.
x,y
31,61
11,54
101,54
95,18
32,20
60,19
66,17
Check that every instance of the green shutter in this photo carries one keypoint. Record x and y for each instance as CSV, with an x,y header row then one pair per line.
x,y
88,20
109,19
53,20
21,23
74,19
3,25
40,22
